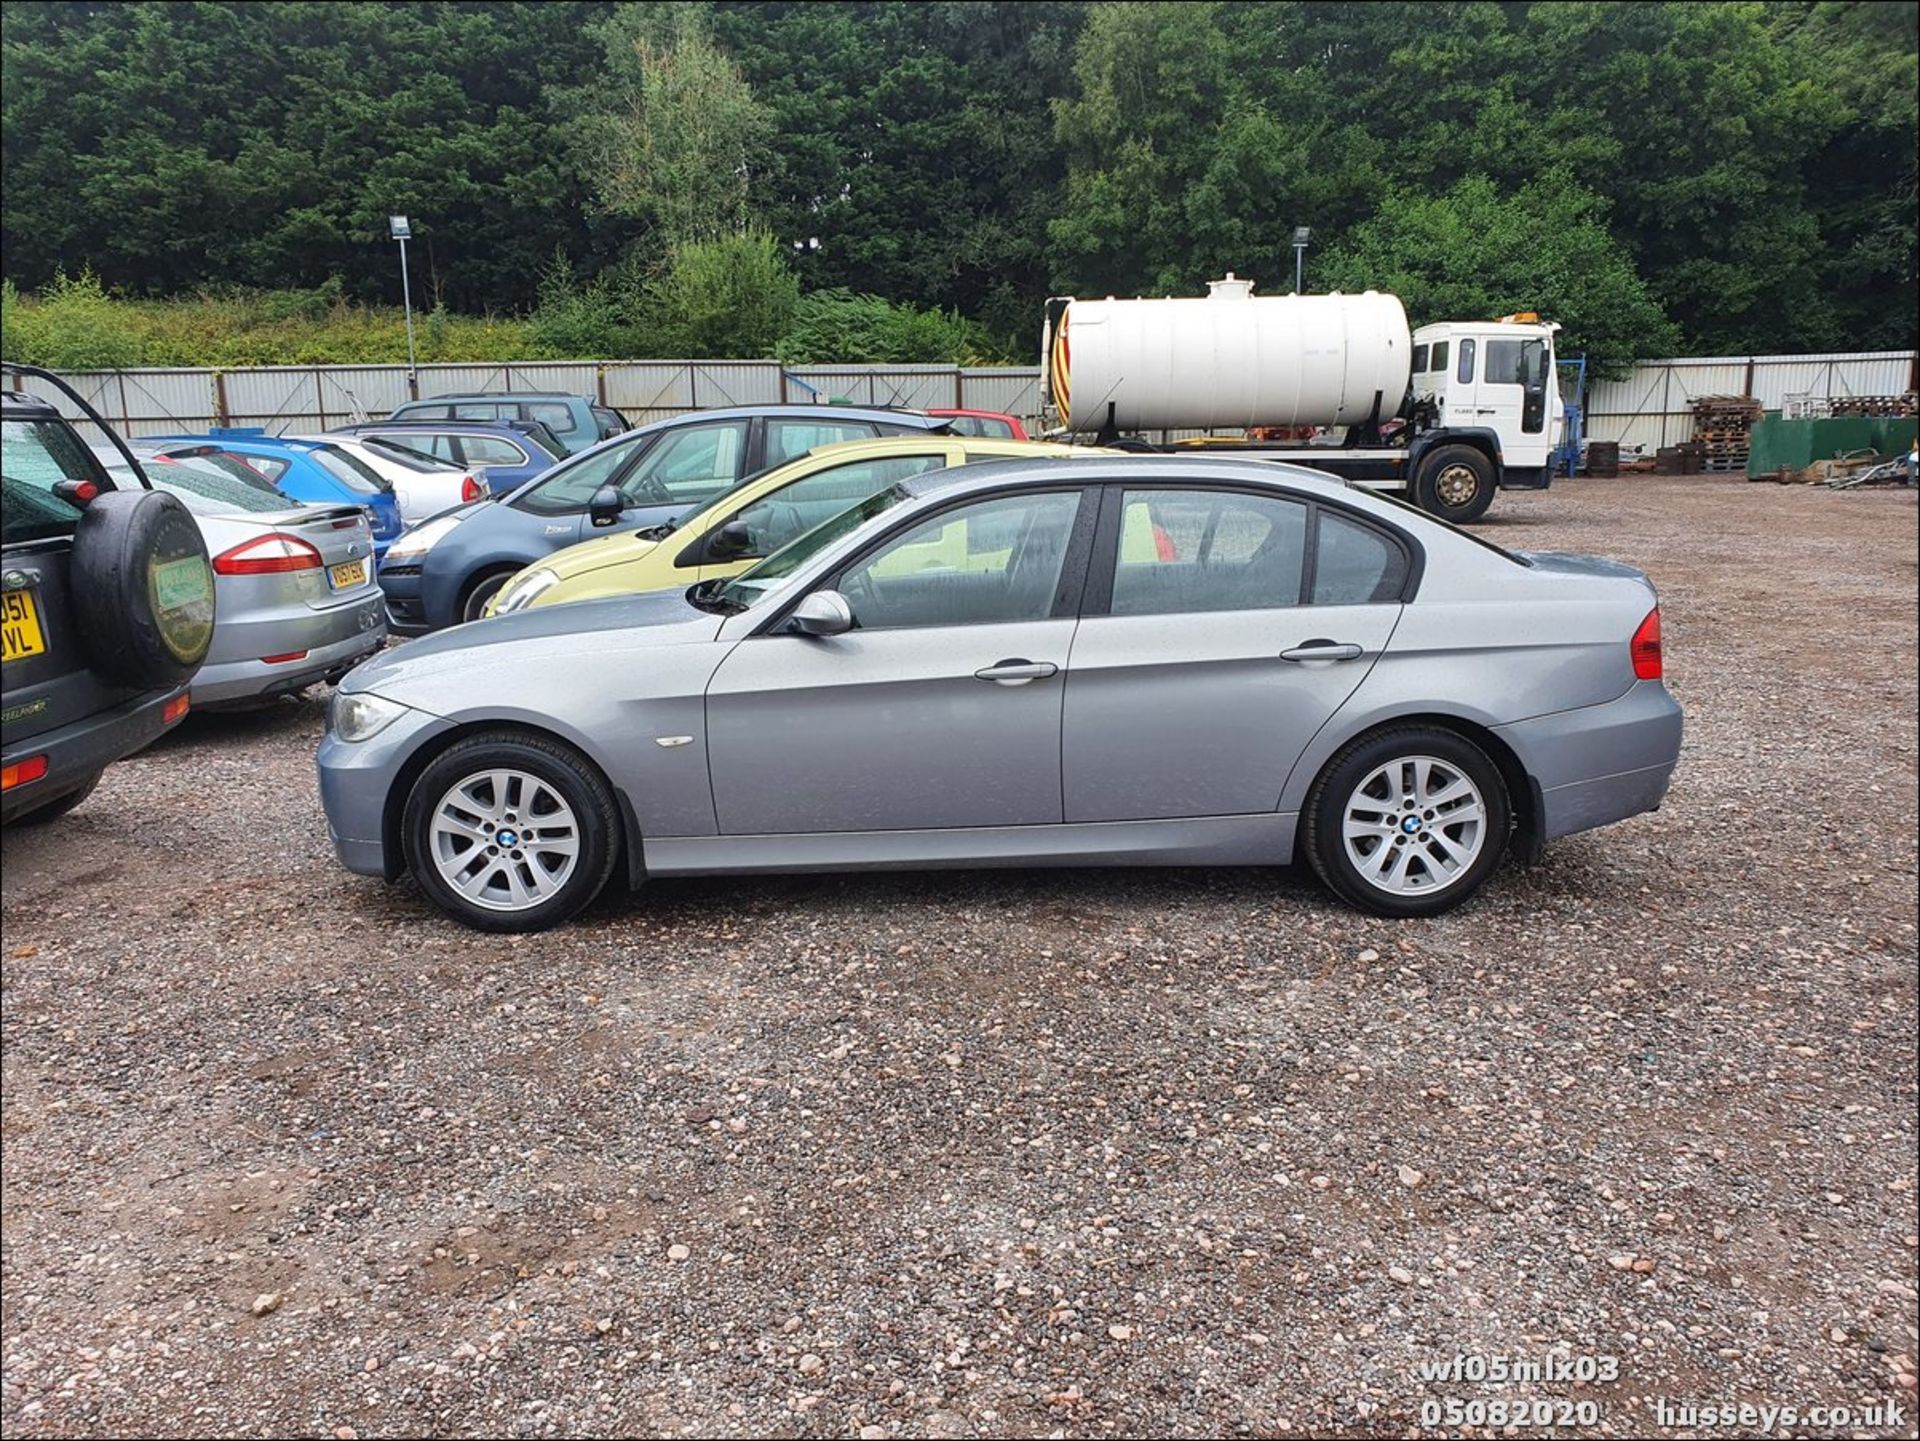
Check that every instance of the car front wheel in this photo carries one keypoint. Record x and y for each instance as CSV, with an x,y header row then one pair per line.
x,y
510,832
1407,822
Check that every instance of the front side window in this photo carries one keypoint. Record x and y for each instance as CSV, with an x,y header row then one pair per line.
x,y
1516,362
693,463
477,410
1356,564
1183,551
793,510
35,456
1440,352
1465,372
566,489
788,438
990,563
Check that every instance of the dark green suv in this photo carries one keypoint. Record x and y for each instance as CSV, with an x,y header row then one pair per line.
x,y
106,607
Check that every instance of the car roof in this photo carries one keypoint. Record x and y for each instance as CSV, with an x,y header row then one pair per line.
x,y
987,445
450,427
1122,466
496,395
27,402
920,420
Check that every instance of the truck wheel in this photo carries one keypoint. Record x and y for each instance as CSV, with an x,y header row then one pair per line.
x,y
142,588
1455,483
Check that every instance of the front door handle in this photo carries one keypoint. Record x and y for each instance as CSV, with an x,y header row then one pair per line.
x,y
1017,671
1323,650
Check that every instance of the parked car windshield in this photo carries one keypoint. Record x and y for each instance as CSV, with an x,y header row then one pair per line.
x,y
207,490
406,455
35,456
749,586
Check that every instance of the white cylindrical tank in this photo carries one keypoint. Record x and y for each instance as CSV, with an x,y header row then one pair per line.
x,y
1230,361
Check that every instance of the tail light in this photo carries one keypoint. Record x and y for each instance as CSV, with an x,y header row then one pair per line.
x,y
175,708
272,554
1645,647
471,489
20,773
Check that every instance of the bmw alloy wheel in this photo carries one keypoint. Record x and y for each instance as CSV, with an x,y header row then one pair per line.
x,y
1414,826
504,839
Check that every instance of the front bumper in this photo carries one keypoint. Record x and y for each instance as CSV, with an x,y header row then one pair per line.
x,y
1600,763
356,778
78,752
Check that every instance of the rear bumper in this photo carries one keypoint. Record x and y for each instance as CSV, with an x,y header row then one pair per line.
x,y
251,679
78,752
1601,763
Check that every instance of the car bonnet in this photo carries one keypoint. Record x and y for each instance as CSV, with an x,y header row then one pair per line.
x,y
487,647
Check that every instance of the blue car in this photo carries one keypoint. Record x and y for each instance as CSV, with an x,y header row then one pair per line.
x,y
445,570
305,470
505,454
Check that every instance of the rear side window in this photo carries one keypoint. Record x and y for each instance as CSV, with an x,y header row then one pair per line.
x,y
556,417
356,475
1356,564
1183,551
479,410
424,412
1465,372
788,438
486,450
35,456
404,455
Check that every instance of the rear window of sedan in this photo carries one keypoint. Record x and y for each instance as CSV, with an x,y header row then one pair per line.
x,y
356,475
207,490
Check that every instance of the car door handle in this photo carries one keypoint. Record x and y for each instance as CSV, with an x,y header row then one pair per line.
x,y
1017,671
1323,650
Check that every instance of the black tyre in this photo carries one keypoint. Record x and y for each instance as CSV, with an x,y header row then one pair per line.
x,y
510,832
54,809
1409,821
1455,483
142,588
473,605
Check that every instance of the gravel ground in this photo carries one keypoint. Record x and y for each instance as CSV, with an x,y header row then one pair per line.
x,y
1074,1152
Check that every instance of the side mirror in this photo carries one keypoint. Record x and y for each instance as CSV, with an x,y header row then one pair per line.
x,y
730,541
825,612
605,507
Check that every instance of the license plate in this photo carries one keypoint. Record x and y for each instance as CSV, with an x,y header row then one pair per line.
x,y
347,576
20,633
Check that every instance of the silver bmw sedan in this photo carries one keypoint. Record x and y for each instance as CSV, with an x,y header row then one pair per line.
x,y
1141,660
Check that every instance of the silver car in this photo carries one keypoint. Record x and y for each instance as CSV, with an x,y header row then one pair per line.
x,y
295,600
1141,660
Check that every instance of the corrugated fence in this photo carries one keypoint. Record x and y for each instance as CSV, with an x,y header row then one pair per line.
x,y
1653,406
1650,408
298,399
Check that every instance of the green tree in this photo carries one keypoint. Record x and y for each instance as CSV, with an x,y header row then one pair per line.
x,y
730,297
1475,254
678,130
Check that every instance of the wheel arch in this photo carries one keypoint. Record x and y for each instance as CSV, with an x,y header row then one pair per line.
x,y
631,854
1523,791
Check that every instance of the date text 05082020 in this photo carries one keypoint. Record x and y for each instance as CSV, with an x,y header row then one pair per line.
x,y
1543,1412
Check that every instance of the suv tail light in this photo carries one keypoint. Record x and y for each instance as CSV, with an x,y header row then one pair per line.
x,y
1645,647
471,489
272,554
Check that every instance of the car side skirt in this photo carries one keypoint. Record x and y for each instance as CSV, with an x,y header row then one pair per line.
x,y
1255,840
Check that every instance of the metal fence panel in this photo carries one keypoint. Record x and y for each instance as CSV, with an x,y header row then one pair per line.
x,y
644,390
1008,390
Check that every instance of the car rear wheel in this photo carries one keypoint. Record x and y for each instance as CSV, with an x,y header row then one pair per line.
x,y
1407,822
510,832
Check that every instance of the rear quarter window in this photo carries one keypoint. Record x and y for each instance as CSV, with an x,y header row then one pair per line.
x,y
35,456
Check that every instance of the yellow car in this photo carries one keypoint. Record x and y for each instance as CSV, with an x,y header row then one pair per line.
x,y
751,521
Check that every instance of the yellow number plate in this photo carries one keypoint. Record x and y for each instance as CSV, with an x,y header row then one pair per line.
x,y
20,633
346,577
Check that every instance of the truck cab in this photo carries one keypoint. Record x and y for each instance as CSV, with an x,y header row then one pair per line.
x,y
1495,375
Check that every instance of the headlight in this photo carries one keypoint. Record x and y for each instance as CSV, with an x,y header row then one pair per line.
x,y
360,716
519,594
422,538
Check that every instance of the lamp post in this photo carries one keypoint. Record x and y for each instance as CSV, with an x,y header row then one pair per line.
x,y
400,230
1301,235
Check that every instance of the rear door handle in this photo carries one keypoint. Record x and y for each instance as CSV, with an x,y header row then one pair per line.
x,y
1323,650
1017,671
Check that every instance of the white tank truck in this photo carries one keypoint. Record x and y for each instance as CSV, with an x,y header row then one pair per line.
x,y
1448,413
